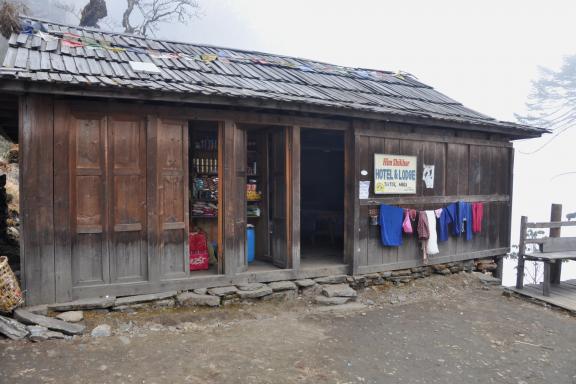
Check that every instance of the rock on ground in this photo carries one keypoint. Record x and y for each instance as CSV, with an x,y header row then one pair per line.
x,y
71,316
102,330
12,329
338,290
53,324
189,299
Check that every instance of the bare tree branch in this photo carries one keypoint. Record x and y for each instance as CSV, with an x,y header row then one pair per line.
x,y
151,13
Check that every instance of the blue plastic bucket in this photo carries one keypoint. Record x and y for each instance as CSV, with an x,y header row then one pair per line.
x,y
250,243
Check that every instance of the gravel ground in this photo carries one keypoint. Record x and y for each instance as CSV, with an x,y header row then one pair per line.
x,y
435,330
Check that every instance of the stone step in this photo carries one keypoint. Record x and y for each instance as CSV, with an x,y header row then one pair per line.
x,y
129,300
79,305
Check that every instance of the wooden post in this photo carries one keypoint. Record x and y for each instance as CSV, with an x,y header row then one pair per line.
x,y
521,250
556,215
546,282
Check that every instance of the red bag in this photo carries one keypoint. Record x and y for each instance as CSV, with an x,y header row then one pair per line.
x,y
198,251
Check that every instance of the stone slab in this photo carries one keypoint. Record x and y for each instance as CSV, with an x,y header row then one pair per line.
x,y
338,290
337,279
305,283
222,291
38,309
12,329
278,286
250,286
50,323
128,300
190,299
261,292
79,305
39,333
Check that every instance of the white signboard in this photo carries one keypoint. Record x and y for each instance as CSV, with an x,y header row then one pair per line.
x,y
394,174
364,190
428,176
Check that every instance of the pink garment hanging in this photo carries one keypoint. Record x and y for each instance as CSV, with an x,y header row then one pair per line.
x,y
406,224
477,215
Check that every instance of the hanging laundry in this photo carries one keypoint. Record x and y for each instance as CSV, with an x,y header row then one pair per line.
x,y
423,234
465,219
407,224
448,216
432,246
477,215
390,221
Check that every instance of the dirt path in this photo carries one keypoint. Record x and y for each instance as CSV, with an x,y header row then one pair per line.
x,y
439,330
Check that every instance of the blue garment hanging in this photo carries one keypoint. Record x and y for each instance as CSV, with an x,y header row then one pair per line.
x,y
448,216
390,221
465,214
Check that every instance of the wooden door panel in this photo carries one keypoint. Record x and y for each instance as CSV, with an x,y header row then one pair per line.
x,y
172,168
278,196
89,142
239,199
89,206
89,265
127,198
89,251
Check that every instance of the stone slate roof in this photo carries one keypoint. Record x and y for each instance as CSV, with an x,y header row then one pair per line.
x,y
92,59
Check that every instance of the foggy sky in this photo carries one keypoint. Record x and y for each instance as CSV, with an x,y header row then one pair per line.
x,y
481,53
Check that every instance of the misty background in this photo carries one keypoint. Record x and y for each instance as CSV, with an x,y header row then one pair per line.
x,y
484,54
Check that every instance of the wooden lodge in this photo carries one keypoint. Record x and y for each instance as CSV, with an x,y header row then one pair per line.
x,y
127,145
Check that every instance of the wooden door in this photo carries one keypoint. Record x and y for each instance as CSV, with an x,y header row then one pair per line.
x,y
278,197
127,198
89,216
172,170
108,199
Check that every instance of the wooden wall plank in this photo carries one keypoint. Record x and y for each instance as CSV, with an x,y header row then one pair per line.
x,y
62,180
293,176
152,199
37,197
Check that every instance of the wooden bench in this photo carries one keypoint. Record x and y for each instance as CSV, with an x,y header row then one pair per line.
x,y
552,251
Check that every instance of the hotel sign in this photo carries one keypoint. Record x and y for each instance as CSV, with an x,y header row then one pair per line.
x,y
394,174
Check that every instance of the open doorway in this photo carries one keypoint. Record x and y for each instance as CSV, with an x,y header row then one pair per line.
x,y
204,184
322,198
266,194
